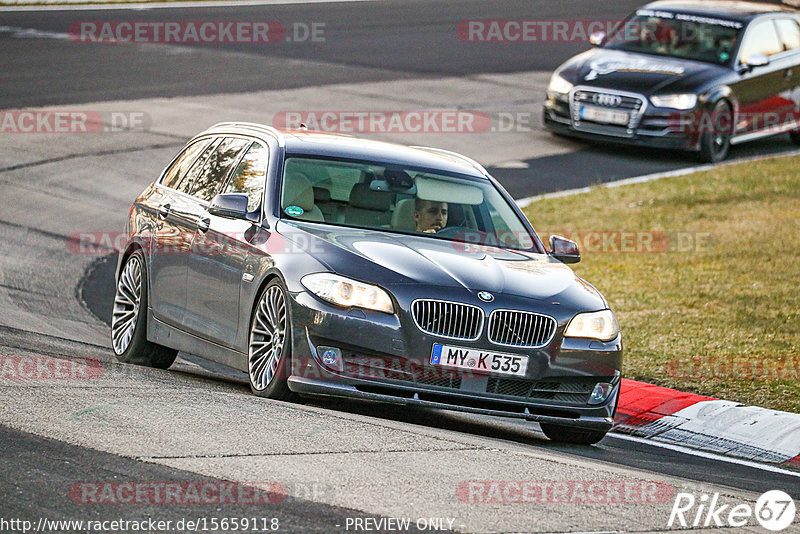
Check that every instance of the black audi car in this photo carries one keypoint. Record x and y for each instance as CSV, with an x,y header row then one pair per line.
x,y
329,265
692,75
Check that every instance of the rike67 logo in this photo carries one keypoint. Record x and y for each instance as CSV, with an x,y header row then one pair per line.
x,y
774,510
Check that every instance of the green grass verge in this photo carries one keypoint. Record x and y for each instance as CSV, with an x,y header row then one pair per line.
x,y
714,306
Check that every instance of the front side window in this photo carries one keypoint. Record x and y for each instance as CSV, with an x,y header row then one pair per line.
x,y
397,199
217,167
761,38
181,166
789,31
250,175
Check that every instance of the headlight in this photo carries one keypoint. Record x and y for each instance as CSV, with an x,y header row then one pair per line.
x,y
347,292
559,85
600,325
674,101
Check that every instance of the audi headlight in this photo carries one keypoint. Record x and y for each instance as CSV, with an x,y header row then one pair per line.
x,y
348,293
687,101
600,325
559,85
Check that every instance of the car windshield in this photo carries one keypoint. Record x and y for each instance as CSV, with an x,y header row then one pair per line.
x,y
400,199
678,35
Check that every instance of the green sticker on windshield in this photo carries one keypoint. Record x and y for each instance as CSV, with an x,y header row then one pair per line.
x,y
294,211
724,56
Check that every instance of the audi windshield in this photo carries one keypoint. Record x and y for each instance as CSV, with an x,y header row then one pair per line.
x,y
679,35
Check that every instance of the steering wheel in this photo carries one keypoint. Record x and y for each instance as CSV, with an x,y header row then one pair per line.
x,y
452,231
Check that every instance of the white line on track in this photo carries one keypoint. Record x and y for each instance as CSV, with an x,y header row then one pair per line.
x,y
162,5
704,454
524,202
32,33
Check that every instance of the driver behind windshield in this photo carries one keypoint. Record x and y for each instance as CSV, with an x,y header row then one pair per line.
x,y
430,216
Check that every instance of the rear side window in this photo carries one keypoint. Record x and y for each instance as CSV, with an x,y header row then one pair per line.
x,y
181,165
789,31
186,181
217,168
250,175
761,38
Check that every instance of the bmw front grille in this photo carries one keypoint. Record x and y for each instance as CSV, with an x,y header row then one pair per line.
x,y
521,329
448,319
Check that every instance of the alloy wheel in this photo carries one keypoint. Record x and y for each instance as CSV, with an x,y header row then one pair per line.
x,y
126,305
267,338
720,138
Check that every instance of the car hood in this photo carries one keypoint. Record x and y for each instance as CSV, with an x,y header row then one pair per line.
x,y
389,259
639,73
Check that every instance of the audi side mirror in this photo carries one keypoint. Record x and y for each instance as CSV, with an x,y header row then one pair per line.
x,y
229,205
564,250
753,62
597,38
757,60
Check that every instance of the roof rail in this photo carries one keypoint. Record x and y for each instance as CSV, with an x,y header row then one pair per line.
x,y
454,155
252,126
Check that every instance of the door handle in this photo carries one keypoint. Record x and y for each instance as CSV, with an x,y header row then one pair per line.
x,y
203,224
787,74
163,211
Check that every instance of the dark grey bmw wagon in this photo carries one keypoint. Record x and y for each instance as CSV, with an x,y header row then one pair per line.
x,y
326,265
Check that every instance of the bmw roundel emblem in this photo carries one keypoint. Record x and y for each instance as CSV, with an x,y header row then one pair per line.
x,y
485,296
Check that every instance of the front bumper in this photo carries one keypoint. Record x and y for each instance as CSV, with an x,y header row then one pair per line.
x,y
654,128
307,386
386,359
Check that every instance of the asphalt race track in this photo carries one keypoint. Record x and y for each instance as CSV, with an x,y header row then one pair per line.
x,y
197,423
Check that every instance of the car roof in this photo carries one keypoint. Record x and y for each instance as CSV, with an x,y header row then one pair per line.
x,y
720,8
324,144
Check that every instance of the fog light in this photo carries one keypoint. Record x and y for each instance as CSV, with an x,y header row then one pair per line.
x,y
600,393
331,356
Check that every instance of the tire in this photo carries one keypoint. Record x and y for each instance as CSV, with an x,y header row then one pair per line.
x,y
795,137
129,319
566,434
269,350
715,145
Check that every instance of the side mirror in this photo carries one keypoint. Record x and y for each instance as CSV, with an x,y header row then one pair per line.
x,y
757,60
229,205
597,38
564,250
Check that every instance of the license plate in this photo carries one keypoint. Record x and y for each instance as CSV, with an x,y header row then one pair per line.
x,y
479,360
595,114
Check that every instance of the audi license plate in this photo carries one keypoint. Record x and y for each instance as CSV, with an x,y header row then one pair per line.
x,y
479,360
608,116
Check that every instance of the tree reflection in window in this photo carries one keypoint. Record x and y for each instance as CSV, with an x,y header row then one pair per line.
x,y
217,168
173,177
250,175
184,185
